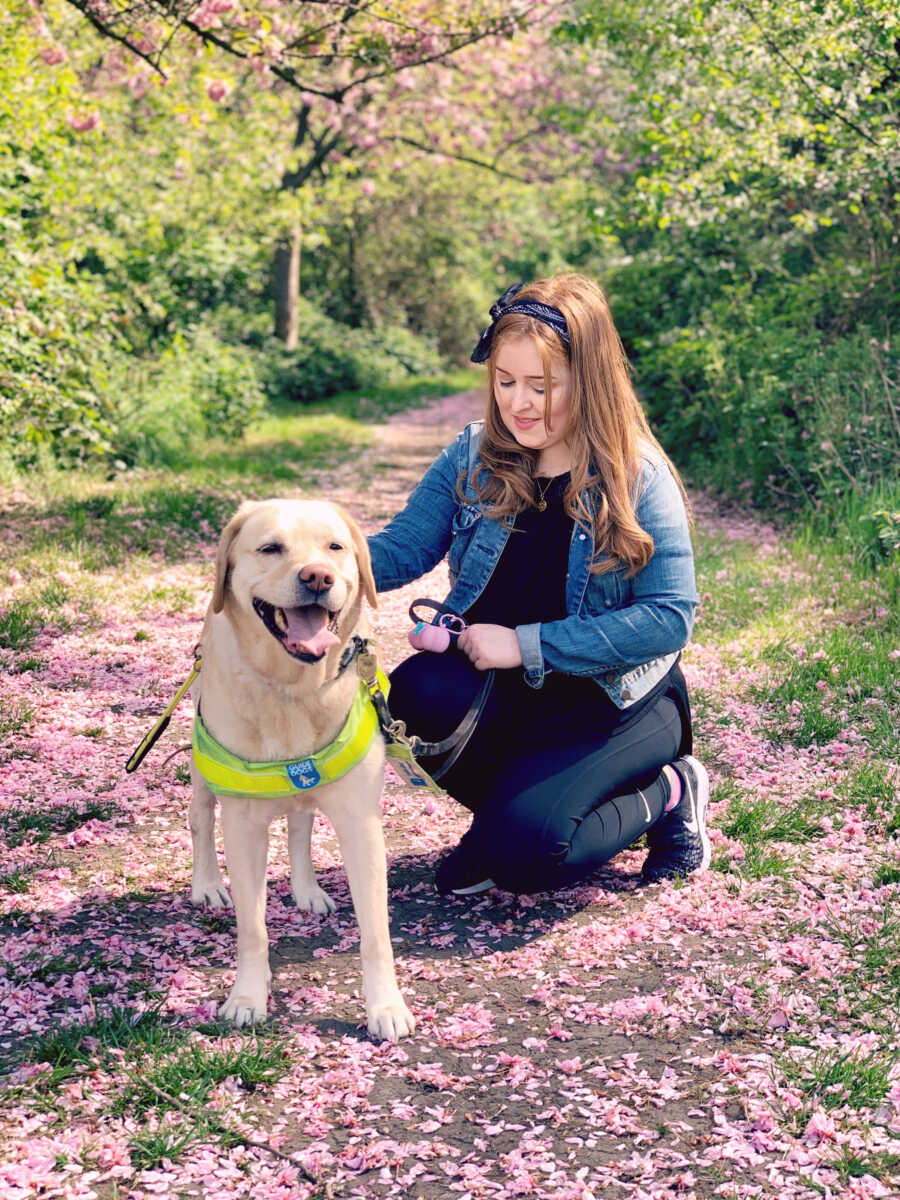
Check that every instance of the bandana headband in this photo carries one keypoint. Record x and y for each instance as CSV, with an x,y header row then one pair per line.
x,y
528,308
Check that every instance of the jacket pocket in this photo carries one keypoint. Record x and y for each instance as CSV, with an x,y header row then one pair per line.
x,y
462,528
606,591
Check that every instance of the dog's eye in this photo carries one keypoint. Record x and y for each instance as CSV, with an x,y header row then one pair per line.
x,y
335,546
271,548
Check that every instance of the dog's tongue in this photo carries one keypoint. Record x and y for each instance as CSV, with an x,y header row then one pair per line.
x,y
307,630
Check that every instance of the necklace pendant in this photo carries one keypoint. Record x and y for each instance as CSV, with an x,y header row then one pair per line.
x,y
542,505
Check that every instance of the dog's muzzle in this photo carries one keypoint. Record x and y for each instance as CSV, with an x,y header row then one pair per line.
x,y
305,632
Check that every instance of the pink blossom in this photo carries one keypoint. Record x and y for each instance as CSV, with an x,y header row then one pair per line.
x,y
83,121
218,89
53,55
820,1128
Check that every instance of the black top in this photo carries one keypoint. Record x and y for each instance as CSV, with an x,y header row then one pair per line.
x,y
528,586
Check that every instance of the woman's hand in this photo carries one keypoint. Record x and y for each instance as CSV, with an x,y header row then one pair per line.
x,y
491,646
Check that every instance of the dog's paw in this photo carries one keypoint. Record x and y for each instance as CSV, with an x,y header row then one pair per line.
x,y
244,1007
210,894
313,899
390,1022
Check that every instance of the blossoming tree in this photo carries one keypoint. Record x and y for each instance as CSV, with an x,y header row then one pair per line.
x,y
365,87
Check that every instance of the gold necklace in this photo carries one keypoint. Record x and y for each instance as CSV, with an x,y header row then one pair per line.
x,y
541,504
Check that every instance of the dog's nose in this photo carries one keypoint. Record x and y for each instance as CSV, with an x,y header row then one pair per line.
x,y
317,577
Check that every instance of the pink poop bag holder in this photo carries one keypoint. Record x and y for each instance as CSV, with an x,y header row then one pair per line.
x,y
436,634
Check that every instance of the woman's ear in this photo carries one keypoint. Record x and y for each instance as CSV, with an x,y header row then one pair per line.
x,y
363,557
229,533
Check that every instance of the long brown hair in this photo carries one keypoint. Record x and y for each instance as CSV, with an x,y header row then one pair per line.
x,y
608,428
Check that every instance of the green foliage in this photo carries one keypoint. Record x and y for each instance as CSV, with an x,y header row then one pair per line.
x,y
332,358
752,185
198,388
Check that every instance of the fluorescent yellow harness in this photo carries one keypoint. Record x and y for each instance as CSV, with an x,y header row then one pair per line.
x,y
228,775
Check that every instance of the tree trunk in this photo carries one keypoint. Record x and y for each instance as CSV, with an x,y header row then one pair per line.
x,y
287,287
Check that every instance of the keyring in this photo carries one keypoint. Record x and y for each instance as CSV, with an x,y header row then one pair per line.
x,y
445,618
453,623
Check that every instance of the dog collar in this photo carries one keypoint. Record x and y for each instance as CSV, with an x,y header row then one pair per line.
x,y
228,775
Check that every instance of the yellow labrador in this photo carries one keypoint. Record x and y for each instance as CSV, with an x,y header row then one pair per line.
x,y
291,576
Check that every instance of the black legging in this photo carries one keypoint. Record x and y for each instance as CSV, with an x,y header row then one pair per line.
x,y
558,778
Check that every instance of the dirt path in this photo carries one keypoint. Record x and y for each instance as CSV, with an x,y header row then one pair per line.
x,y
608,1040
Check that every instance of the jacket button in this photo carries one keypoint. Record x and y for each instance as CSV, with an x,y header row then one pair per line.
x,y
610,677
626,695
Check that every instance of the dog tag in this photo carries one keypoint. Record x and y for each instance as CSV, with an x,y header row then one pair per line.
x,y
367,666
401,758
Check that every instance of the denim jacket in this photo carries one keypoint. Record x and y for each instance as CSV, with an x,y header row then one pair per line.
x,y
623,633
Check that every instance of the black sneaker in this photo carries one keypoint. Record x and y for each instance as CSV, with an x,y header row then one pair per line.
x,y
679,844
460,872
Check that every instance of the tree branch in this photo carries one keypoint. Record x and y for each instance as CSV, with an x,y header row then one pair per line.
x,y
824,108
107,32
475,162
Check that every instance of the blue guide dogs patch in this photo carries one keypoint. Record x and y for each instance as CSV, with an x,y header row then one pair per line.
x,y
303,774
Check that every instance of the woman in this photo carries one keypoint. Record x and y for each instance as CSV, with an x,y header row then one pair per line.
x,y
571,562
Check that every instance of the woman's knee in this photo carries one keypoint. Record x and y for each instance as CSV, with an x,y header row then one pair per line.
x,y
523,849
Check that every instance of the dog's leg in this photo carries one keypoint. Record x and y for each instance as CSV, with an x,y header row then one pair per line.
x,y
207,885
245,823
362,848
304,885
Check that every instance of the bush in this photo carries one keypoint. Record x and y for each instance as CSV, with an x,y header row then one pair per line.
x,y
201,387
332,358
774,385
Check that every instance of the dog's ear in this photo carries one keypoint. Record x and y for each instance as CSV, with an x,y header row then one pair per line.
x,y
363,557
229,533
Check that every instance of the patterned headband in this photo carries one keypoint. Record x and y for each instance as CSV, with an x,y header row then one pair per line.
x,y
529,308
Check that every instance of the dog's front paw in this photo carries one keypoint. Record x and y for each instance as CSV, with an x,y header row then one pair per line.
x,y
313,899
245,1006
210,893
390,1021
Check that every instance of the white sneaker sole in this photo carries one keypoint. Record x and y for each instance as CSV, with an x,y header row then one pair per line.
x,y
701,801
484,886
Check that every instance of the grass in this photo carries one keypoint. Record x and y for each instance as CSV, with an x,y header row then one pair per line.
x,y
170,1074
758,818
742,594
822,625
844,677
99,523
760,823
15,717
191,1072
880,1164
175,1087
835,1079
870,990
17,881
41,823
19,626
869,785
69,1048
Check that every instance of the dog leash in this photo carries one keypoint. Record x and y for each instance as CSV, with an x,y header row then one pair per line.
x,y
399,748
162,722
